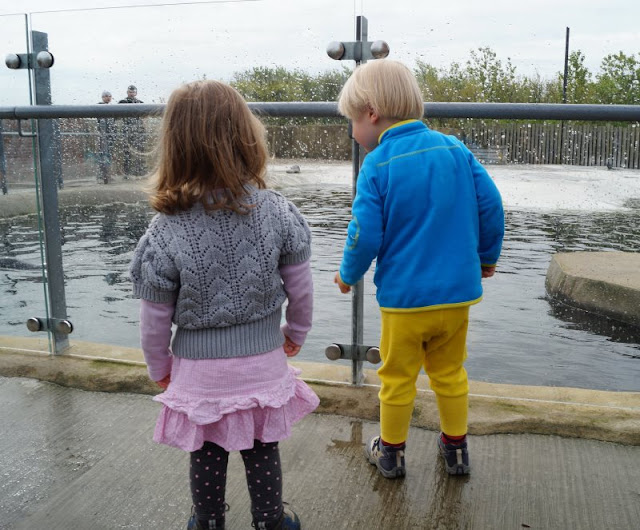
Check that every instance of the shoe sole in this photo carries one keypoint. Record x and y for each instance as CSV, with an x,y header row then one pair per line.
x,y
458,469
396,472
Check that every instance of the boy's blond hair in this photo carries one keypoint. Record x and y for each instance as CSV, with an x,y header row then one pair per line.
x,y
387,87
210,147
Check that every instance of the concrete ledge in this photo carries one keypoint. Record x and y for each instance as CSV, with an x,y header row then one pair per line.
x,y
23,201
569,412
603,283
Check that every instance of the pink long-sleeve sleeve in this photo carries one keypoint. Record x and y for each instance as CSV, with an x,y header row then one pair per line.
x,y
298,284
155,337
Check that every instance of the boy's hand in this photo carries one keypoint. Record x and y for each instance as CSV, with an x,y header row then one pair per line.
x,y
164,382
344,288
291,349
488,271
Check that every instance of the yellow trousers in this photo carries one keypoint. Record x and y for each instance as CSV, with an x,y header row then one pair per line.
x,y
435,340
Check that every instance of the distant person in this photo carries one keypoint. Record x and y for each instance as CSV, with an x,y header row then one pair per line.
x,y
219,260
132,137
432,217
106,139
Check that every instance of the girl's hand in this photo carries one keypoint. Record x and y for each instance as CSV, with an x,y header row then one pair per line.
x,y
291,349
488,271
164,382
344,288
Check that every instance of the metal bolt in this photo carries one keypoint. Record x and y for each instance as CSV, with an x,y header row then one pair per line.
x,y
373,355
333,352
64,326
379,49
34,324
12,60
335,50
44,59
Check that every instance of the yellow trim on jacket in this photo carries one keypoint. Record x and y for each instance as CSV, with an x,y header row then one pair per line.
x,y
429,307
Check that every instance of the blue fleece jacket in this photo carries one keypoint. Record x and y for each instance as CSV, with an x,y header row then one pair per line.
x,y
431,215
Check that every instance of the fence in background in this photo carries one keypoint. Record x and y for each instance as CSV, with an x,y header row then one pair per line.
x,y
577,144
500,143
582,144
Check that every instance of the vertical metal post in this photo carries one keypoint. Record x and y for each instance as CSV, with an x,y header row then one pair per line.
x,y
566,68
359,51
565,82
357,302
3,164
49,174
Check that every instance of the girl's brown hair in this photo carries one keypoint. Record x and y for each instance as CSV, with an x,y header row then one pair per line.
x,y
211,146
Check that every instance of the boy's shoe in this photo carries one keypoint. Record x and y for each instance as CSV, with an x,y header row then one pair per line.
x,y
456,457
388,460
288,521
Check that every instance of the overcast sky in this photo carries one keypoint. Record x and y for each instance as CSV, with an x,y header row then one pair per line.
x,y
157,47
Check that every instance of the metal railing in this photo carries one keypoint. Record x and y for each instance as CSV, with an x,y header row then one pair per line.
x,y
325,109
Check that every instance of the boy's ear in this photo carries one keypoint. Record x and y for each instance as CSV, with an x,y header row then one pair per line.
x,y
373,115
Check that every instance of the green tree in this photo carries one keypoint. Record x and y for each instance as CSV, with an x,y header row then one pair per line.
x,y
452,84
579,83
493,81
326,86
619,80
538,90
428,78
262,83
279,84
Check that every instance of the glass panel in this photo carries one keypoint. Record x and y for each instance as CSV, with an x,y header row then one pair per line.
x,y
14,84
23,292
157,48
214,41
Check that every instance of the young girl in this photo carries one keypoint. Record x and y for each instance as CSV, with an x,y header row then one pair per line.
x,y
219,260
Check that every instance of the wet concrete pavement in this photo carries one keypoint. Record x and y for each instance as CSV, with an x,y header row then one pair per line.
x,y
72,459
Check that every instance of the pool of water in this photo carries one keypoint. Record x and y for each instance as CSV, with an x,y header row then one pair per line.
x,y
515,336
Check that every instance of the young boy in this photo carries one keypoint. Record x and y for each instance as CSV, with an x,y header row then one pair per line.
x,y
431,216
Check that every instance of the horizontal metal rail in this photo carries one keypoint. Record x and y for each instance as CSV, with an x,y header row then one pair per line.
x,y
63,133
324,109
533,111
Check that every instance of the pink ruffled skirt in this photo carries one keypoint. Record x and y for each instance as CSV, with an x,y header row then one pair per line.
x,y
232,402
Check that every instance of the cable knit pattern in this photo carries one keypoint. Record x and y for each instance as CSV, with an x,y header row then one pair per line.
x,y
220,268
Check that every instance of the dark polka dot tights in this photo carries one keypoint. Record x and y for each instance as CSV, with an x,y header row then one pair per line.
x,y
208,477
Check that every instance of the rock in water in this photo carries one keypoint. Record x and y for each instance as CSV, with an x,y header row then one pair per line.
x,y
12,263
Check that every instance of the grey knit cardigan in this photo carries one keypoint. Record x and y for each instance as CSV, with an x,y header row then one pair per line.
x,y
220,269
